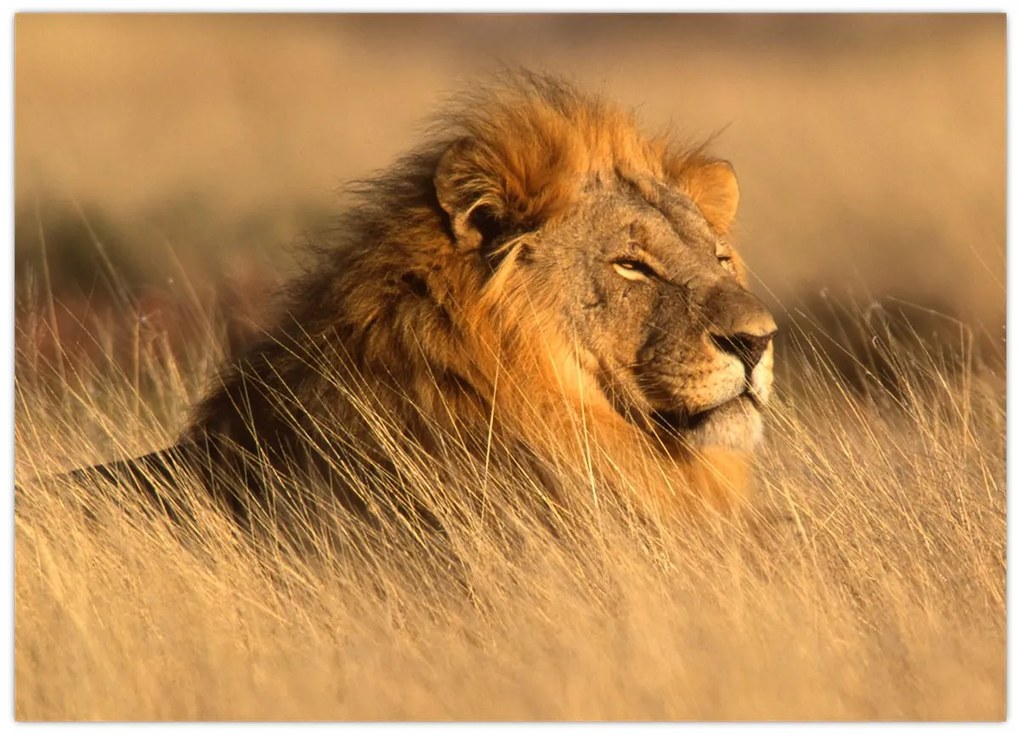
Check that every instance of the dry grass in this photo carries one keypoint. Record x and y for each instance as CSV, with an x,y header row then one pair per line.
x,y
868,583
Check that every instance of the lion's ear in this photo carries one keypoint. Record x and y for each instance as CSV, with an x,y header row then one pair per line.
x,y
713,187
491,190
466,195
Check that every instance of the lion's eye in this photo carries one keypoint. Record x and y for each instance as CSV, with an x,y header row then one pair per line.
x,y
726,261
633,270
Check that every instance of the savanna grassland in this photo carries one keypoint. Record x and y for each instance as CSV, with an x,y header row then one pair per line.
x,y
866,582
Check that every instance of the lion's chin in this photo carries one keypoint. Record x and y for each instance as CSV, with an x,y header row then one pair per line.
x,y
735,425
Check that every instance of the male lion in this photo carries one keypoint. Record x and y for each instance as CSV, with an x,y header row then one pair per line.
x,y
539,283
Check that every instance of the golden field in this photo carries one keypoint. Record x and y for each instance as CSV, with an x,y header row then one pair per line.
x,y
167,169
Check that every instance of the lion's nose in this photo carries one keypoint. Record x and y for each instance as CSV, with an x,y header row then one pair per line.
x,y
738,323
745,346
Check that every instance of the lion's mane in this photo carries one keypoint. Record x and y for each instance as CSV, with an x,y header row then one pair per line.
x,y
394,327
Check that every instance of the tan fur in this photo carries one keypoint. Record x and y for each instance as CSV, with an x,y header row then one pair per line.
x,y
403,319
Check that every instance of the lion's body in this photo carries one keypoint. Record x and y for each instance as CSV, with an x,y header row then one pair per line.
x,y
459,309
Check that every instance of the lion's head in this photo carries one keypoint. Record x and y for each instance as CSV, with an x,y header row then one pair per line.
x,y
618,245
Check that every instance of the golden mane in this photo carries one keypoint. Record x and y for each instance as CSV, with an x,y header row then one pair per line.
x,y
535,141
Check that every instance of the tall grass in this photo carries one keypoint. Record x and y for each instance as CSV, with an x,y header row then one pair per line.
x,y
867,582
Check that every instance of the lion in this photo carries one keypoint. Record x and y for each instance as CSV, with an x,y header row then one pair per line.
x,y
538,280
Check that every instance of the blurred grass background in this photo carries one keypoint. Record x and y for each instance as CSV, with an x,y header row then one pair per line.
x,y
183,156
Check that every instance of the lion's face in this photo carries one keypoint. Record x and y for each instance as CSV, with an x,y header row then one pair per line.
x,y
655,302
620,245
